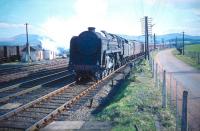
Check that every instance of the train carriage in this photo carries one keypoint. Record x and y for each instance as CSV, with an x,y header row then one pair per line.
x,y
10,53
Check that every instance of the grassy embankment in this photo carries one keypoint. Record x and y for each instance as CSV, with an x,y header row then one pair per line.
x,y
138,105
186,59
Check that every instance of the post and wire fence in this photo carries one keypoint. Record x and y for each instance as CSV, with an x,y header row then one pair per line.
x,y
194,55
174,95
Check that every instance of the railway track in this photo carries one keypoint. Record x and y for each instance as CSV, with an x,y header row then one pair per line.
x,y
17,68
15,91
9,77
32,76
30,81
25,96
8,92
40,112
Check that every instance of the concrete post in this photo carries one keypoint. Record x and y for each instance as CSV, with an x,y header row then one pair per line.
x,y
164,92
184,122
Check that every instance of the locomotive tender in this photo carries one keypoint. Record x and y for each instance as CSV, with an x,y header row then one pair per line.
x,y
96,54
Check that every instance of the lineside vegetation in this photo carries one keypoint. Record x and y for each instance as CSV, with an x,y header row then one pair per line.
x,y
137,105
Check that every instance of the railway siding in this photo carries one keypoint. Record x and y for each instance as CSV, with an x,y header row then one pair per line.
x,y
11,96
23,72
32,80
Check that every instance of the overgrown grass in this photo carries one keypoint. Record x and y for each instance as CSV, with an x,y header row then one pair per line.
x,y
154,53
137,105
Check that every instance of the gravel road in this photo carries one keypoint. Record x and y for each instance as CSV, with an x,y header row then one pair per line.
x,y
188,79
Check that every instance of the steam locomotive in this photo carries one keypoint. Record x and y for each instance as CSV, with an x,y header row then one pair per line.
x,y
96,54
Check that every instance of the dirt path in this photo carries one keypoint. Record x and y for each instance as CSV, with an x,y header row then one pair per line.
x,y
188,79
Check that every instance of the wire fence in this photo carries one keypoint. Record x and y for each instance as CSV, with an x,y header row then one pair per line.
x,y
194,55
174,95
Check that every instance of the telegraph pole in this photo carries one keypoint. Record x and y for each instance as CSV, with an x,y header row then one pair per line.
x,y
163,42
183,45
146,31
176,43
147,36
27,44
154,40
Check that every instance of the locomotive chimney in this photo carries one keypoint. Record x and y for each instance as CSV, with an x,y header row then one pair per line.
x,y
91,29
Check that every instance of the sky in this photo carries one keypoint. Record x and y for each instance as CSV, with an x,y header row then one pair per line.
x,y
62,19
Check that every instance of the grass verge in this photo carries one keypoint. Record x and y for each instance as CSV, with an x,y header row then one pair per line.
x,y
138,105
188,60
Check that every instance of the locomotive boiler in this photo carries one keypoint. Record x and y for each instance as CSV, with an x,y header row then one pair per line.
x,y
96,54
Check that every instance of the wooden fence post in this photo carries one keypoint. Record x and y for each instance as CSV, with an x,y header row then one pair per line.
x,y
184,123
152,68
177,106
164,92
91,102
171,90
156,76
112,83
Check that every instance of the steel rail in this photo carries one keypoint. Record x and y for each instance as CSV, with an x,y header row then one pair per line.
x,y
25,73
30,89
64,107
32,65
21,108
36,69
17,85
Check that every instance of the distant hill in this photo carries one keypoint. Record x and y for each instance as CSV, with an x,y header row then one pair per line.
x,y
35,40
167,37
21,40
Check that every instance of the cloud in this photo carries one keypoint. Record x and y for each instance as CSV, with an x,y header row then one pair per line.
x,y
8,25
91,8
195,11
88,13
49,44
109,16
